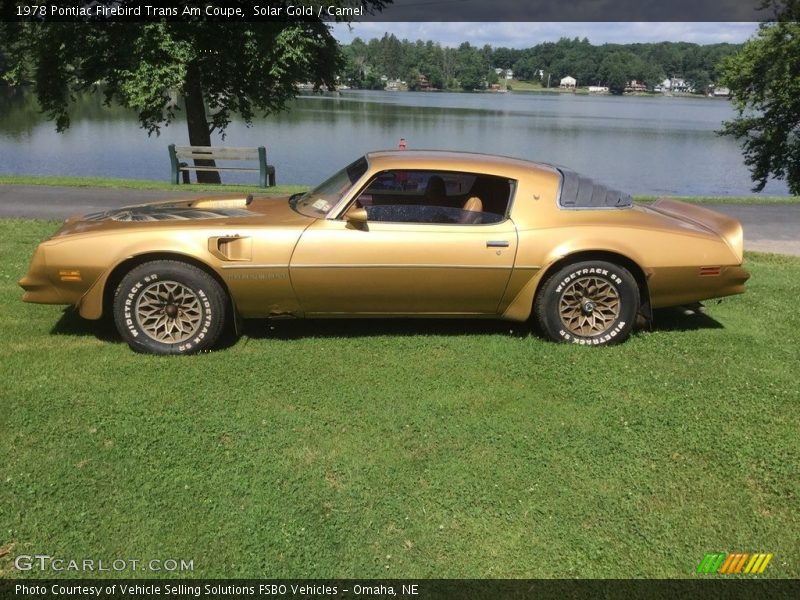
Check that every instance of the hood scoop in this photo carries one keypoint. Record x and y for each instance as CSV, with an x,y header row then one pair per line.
x,y
222,202
203,208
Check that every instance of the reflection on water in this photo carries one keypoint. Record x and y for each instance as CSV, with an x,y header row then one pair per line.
x,y
645,145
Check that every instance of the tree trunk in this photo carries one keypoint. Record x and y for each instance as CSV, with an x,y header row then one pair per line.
x,y
199,134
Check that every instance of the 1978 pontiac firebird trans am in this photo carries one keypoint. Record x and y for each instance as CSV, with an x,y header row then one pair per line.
x,y
394,234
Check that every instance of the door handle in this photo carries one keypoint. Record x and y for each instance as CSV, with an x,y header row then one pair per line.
x,y
497,244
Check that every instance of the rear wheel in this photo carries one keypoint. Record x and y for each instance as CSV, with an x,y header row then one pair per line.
x,y
169,307
590,302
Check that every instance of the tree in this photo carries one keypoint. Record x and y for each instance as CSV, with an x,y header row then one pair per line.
x,y
435,78
373,81
471,68
699,80
651,74
391,58
527,68
764,79
356,59
412,80
613,72
504,58
231,68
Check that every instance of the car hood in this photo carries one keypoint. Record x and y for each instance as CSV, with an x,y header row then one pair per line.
x,y
235,210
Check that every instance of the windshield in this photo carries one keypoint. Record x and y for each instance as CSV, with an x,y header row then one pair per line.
x,y
319,201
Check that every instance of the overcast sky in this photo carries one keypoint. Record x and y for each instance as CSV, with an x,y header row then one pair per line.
x,y
525,35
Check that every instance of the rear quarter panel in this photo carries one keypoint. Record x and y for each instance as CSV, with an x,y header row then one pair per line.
x,y
670,255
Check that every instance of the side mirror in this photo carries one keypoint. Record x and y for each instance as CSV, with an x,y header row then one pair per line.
x,y
357,217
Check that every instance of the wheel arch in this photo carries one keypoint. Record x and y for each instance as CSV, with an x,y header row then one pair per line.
x,y
98,301
631,265
521,308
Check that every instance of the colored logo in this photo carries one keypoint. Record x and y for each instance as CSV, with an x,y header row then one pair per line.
x,y
734,563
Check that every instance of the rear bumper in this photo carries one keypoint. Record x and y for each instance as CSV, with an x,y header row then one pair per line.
x,y
676,286
732,280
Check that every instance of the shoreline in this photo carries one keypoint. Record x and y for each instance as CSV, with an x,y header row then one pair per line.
x,y
110,183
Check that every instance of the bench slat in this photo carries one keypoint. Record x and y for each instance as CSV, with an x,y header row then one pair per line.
x,y
240,149
221,154
211,148
192,168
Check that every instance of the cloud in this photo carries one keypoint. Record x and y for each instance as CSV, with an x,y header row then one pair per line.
x,y
525,35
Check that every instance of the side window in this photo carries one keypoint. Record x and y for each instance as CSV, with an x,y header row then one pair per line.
x,y
436,197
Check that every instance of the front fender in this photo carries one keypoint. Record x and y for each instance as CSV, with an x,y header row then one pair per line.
x,y
91,304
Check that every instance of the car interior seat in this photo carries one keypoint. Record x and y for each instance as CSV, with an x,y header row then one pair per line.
x,y
435,191
473,211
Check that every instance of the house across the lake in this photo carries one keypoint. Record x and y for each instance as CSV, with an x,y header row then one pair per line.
x,y
674,84
635,86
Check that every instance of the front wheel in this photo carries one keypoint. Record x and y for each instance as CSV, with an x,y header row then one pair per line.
x,y
590,302
169,307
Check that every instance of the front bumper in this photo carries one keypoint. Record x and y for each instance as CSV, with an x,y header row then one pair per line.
x,y
40,286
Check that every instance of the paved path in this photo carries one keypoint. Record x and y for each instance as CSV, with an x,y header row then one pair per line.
x,y
51,202
767,228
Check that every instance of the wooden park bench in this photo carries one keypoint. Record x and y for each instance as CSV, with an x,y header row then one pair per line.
x,y
179,154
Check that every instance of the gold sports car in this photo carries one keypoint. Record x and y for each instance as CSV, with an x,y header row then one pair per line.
x,y
393,234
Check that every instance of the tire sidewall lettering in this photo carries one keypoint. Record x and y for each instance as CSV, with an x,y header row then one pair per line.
x,y
603,338
607,273
130,297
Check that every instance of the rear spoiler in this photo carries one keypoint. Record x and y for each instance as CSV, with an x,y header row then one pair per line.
x,y
728,228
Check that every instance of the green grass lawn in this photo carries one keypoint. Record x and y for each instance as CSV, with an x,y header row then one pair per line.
x,y
143,184
404,449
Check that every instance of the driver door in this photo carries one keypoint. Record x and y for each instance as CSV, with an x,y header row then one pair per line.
x,y
404,268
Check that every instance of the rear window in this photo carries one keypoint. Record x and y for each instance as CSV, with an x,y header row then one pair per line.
x,y
578,191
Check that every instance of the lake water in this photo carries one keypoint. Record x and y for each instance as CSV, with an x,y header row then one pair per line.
x,y
644,145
